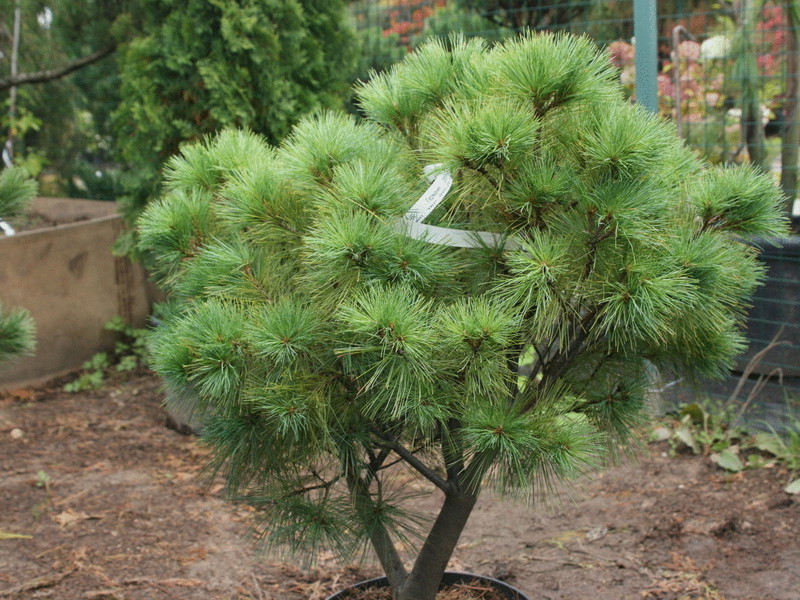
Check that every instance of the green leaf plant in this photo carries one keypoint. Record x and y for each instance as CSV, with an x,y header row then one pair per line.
x,y
715,429
129,353
332,346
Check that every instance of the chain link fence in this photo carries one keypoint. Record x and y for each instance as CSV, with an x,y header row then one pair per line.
x,y
727,77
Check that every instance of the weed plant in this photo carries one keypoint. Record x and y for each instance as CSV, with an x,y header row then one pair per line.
x,y
129,353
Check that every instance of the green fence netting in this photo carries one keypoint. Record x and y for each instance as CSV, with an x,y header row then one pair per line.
x,y
727,76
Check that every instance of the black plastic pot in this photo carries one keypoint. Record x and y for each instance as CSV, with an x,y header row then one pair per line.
x,y
449,579
776,304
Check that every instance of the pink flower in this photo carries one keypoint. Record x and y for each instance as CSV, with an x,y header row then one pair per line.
x,y
713,98
622,53
766,62
689,50
664,85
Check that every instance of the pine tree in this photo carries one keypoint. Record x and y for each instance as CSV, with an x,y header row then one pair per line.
x,y
17,334
17,191
17,330
331,335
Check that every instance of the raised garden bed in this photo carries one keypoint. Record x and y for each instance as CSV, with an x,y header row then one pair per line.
x,y
60,267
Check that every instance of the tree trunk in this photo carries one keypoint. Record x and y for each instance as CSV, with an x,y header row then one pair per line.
x,y
12,98
753,130
423,581
751,126
790,136
380,539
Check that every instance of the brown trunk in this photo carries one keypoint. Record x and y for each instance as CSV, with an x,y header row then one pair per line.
x,y
380,539
423,581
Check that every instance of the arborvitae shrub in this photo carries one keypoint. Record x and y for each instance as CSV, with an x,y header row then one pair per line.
x,y
197,66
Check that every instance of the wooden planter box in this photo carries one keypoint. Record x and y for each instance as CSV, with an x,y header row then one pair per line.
x,y
66,276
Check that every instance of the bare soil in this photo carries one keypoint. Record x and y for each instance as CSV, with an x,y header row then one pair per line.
x,y
110,507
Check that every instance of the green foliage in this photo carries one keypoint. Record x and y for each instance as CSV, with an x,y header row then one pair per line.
x,y
130,352
785,447
93,376
328,341
378,50
75,108
199,66
25,126
17,190
453,18
710,429
520,14
86,180
734,199
43,480
17,334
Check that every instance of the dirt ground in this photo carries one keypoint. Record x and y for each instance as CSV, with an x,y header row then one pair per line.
x,y
110,508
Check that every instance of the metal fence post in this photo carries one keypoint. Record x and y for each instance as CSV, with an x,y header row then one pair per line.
x,y
645,30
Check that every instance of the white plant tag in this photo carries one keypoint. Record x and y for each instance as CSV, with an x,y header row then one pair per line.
x,y
7,229
432,197
459,238
411,223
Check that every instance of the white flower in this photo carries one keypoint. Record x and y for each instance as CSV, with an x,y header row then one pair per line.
x,y
628,75
715,47
766,114
735,113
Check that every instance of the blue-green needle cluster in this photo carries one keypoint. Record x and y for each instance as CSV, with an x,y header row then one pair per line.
x,y
17,333
17,191
17,329
327,345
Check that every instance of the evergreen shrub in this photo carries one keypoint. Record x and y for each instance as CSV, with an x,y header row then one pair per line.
x,y
17,329
17,334
329,339
17,191
197,66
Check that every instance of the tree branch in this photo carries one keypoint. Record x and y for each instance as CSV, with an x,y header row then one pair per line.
x,y
381,541
558,364
512,363
376,463
53,74
415,462
452,452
